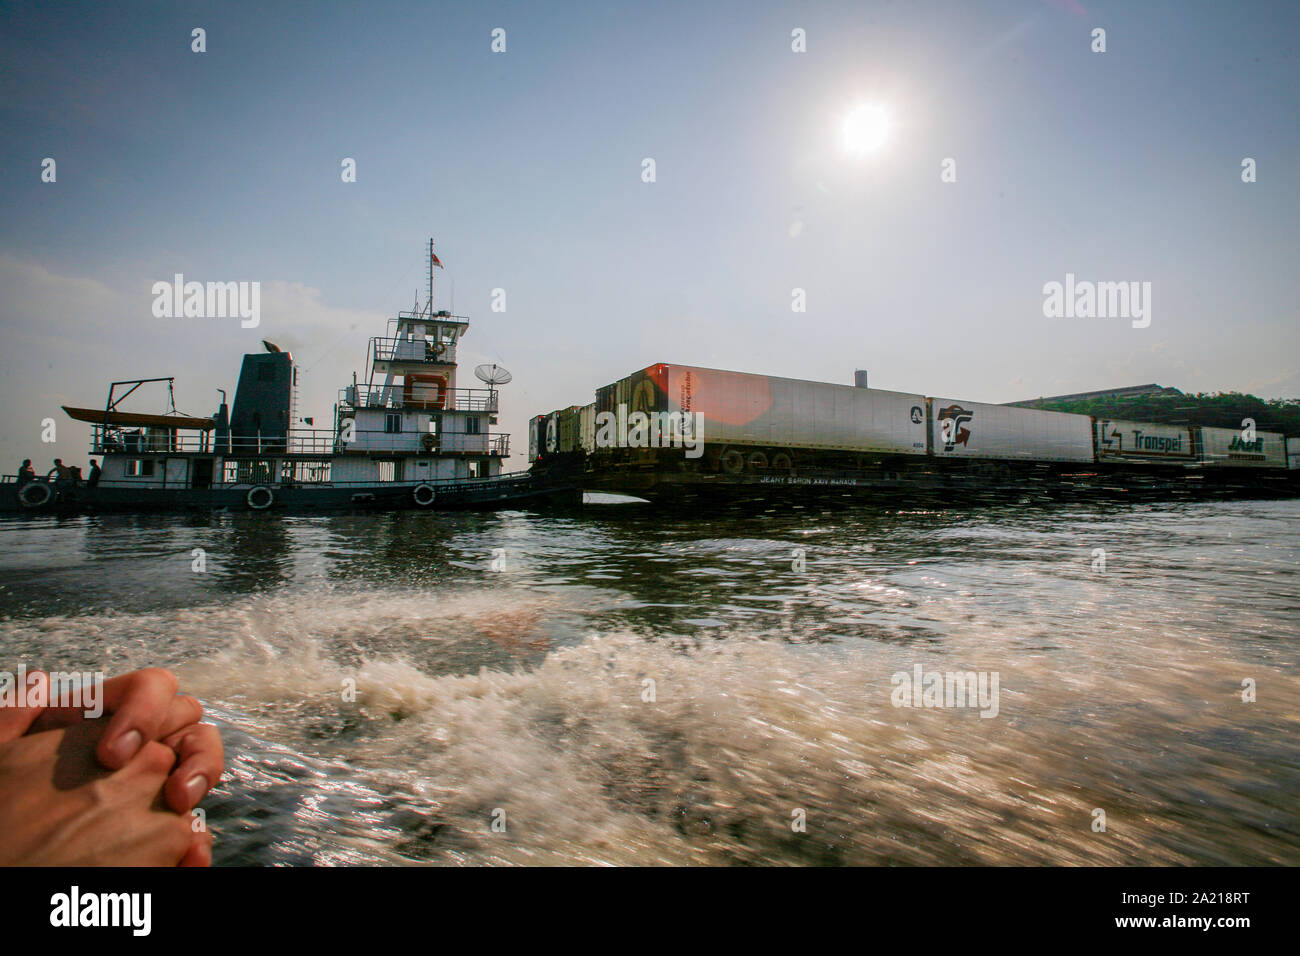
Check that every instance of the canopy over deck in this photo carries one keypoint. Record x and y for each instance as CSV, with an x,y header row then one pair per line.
x,y
97,416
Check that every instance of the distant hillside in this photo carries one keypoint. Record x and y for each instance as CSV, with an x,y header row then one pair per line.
x,y
1217,409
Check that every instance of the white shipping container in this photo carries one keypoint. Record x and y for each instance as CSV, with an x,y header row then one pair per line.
x,y
587,428
975,430
1228,448
743,409
1143,441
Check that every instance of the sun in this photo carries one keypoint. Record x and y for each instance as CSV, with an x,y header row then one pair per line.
x,y
866,128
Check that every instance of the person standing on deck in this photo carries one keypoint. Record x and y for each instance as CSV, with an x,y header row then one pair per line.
x,y
26,473
62,473
93,478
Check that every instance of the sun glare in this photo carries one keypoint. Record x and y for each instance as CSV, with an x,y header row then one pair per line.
x,y
866,128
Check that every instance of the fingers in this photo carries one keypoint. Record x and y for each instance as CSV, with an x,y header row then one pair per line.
x,y
200,758
200,851
172,842
16,718
144,775
140,703
152,741
143,706
184,710
170,838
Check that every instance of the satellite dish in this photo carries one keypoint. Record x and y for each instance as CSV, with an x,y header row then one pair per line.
x,y
492,374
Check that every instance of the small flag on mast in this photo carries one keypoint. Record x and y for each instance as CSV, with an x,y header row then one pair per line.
x,y
436,261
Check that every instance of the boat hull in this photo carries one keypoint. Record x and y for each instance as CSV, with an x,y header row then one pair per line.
x,y
483,495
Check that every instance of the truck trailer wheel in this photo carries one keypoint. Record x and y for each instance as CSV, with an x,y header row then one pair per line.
x,y
757,461
731,462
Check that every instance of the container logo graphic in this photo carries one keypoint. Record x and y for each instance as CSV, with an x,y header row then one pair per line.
x,y
952,426
917,414
643,396
1111,438
1141,443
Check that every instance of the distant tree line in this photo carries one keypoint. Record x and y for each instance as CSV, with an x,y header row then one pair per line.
x,y
1212,409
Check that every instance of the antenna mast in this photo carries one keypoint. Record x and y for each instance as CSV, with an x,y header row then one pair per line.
x,y
431,277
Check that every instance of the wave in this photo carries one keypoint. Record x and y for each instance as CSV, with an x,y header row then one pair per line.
x,y
365,727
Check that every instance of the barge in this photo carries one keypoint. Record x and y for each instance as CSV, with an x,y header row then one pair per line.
x,y
671,431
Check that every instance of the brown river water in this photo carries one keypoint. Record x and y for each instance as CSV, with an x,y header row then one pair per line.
x,y
624,686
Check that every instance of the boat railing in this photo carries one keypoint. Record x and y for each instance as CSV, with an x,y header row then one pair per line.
x,y
443,442
412,350
111,439
125,442
392,397
302,442
441,316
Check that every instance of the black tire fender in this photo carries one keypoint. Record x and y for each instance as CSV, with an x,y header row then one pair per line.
x,y
26,499
252,498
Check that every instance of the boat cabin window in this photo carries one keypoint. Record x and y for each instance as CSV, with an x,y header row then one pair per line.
x,y
471,425
307,472
393,423
435,424
246,472
476,469
139,468
390,470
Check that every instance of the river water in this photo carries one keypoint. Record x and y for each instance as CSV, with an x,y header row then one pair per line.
x,y
624,686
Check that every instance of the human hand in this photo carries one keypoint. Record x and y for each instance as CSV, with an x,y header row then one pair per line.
x,y
59,807
144,706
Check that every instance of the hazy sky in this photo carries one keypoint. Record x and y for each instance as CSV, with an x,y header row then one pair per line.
x,y
527,168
